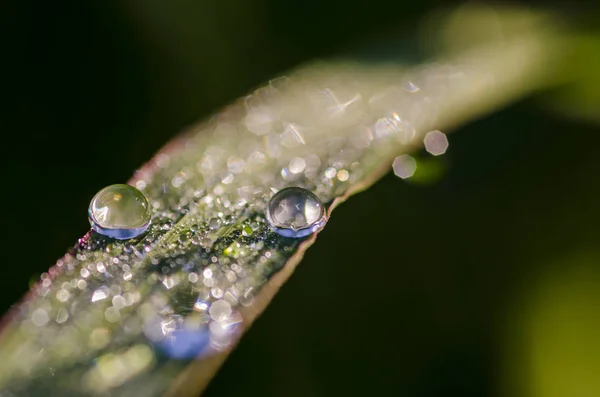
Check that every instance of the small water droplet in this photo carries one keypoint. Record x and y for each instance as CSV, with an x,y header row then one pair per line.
x,y
61,316
216,292
330,172
214,223
235,164
119,211
343,175
247,230
141,184
112,314
193,277
99,295
100,267
40,317
206,242
297,165
220,310
295,212
62,295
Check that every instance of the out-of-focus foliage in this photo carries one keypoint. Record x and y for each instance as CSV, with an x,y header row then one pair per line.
x,y
579,95
552,345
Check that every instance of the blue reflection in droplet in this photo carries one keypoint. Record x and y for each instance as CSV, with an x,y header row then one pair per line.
x,y
185,344
295,212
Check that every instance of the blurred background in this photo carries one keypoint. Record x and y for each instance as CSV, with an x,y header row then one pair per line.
x,y
478,277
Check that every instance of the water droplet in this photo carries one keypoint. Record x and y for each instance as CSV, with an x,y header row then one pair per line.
x,y
112,314
99,295
62,295
343,175
247,230
141,184
295,212
40,317
119,211
214,223
220,310
235,164
61,316
259,120
193,277
297,165
99,338
330,172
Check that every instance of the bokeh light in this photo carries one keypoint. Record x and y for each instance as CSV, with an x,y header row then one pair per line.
x,y
436,142
404,166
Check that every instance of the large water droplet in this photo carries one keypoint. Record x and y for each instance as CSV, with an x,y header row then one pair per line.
x,y
295,212
119,211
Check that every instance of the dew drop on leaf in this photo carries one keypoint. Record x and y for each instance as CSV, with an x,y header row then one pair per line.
x,y
119,211
295,212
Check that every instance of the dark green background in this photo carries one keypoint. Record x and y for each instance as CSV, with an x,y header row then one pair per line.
x,y
406,292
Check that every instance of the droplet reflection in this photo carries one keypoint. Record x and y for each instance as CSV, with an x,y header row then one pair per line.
x,y
295,212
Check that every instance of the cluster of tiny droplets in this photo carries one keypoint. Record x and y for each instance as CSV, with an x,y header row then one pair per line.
x,y
176,291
